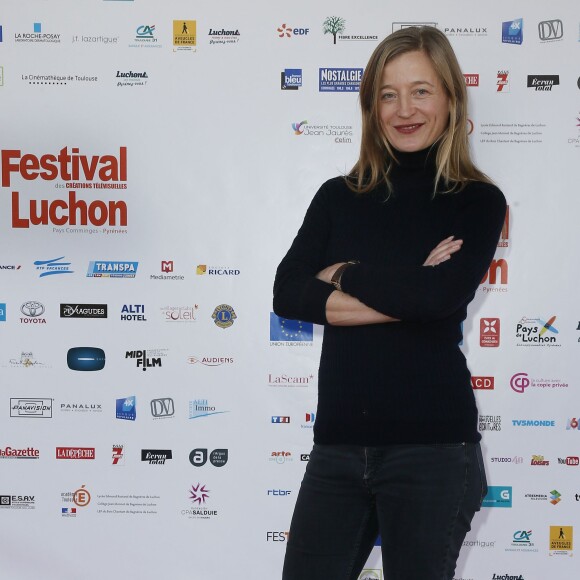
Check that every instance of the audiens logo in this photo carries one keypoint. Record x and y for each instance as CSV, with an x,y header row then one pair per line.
x,y
126,408
162,408
549,30
498,497
291,79
543,82
512,31
52,267
286,31
85,358
218,457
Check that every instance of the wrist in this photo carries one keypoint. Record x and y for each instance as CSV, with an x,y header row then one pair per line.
x,y
337,276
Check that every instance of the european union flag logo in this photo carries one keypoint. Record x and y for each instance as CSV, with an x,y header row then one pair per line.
x,y
284,329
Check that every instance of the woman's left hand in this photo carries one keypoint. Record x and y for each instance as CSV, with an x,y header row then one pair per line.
x,y
326,274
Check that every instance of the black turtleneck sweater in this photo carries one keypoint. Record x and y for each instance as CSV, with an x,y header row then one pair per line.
x,y
398,382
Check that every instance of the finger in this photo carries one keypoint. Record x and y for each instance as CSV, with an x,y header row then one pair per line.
x,y
446,250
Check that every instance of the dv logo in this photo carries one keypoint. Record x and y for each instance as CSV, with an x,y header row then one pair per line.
x,y
550,30
162,407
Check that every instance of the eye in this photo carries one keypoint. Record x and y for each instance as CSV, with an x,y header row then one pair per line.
x,y
388,96
421,92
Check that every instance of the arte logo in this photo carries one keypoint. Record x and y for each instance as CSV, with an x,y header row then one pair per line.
x,y
339,80
218,457
83,311
482,383
536,332
336,25
179,313
31,408
156,456
573,424
52,267
498,497
118,454
85,358
33,311
201,408
146,359
539,460
549,30
76,170
503,83
13,453
543,82
75,453
211,361
224,316
291,79
167,266
489,332
471,80
184,35
126,408
285,380
287,31
132,312
489,423
107,269
512,31
572,461
162,408
280,456
561,540
290,331
280,419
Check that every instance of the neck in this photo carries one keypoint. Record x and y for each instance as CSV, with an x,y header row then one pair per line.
x,y
425,159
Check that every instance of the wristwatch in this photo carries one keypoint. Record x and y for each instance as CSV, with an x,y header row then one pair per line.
x,y
337,276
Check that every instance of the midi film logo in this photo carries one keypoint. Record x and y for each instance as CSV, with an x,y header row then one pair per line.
x,y
536,332
147,359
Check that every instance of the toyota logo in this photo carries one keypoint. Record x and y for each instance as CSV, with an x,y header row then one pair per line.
x,y
32,308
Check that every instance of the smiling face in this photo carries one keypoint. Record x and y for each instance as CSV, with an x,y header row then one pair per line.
x,y
413,104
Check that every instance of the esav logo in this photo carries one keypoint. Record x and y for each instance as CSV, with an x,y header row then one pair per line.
x,y
85,358
549,30
162,408
498,497
126,408
512,31
503,83
482,383
287,31
218,457
290,79
489,332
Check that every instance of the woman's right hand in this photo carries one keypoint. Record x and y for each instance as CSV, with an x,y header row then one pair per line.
x,y
443,251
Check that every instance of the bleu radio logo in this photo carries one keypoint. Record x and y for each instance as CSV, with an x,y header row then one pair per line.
x,y
339,80
498,496
512,31
85,358
126,408
291,79
52,267
286,330
107,269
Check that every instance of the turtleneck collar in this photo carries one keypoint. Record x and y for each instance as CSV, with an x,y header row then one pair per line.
x,y
417,160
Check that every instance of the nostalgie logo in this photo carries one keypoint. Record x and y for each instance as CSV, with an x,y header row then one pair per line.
x,y
37,36
224,316
201,408
184,35
291,79
482,383
489,332
107,269
19,453
218,457
498,497
147,359
126,408
85,358
543,82
133,312
156,456
83,311
223,36
471,80
33,312
561,540
536,332
286,332
512,31
287,31
550,30
77,171
503,83
75,453
339,80
335,25
30,408
521,381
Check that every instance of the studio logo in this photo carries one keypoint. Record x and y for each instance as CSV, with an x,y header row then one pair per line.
x,y
83,311
290,79
489,332
107,269
31,408
162,408
549,30
276,536
218,457
156,456
503,83
287,31
85,358
224,316
126,408
339,80
512,31
498,497
543,82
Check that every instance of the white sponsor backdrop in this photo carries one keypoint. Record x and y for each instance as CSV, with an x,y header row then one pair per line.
x,y
216,175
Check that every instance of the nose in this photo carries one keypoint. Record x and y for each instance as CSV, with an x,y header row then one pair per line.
x,y
406,107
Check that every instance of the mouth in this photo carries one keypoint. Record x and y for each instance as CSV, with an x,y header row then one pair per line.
x,y
408,129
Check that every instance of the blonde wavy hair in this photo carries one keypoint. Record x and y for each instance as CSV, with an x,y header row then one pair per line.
x,y
454,165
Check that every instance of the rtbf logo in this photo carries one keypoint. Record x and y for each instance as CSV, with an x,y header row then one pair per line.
x,y
483,383
489,329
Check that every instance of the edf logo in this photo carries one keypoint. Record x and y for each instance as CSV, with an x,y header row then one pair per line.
x,y
285,31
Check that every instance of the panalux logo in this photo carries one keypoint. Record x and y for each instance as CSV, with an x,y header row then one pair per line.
x,y
162,407
550,30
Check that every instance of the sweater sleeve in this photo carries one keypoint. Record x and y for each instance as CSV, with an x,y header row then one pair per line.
x,y
422,293
297,293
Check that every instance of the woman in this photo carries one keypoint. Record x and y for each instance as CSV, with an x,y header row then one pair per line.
x,y
388,258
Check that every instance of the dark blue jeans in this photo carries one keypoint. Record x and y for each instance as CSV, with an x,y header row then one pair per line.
x,y
420,498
